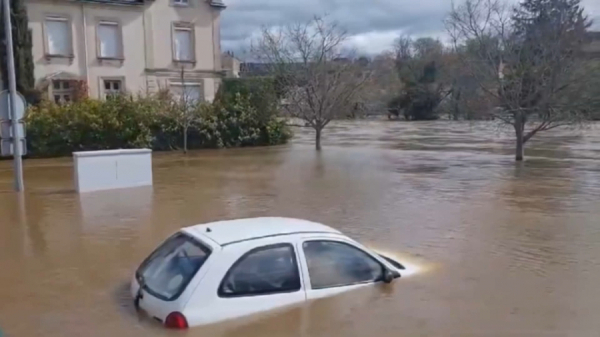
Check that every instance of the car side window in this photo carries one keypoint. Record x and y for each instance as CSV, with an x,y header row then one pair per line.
x,y
261,271
335,264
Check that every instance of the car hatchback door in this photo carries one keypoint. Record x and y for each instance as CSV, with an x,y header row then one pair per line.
x,y
332,266
166,273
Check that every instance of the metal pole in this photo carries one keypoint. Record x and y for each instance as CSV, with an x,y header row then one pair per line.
x,y
12,89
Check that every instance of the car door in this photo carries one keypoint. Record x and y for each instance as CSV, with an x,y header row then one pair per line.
x,y
252,278
333,265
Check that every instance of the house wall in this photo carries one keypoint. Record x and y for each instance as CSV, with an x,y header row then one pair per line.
x,y
206,22
147,64
231,65
132,68
85,64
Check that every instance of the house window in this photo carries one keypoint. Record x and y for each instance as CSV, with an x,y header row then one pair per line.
x,y
112,88
109,40
183,43
180,2
62,91
58,36
190,93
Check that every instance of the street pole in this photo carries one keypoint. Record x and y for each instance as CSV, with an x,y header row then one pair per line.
x,y
12,89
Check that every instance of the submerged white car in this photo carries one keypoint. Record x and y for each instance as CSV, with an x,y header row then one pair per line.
x,y
217,271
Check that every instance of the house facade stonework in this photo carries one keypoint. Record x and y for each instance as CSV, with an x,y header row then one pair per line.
x,y
133,46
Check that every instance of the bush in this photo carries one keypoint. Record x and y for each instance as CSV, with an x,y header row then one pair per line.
x,y
237,122
55,130
147,122
258,91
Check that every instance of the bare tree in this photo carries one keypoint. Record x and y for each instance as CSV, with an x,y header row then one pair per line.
x,y
525,58
183,108
384,83
317,80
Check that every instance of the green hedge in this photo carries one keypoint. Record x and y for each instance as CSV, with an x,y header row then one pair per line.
x,y
148,122
259,91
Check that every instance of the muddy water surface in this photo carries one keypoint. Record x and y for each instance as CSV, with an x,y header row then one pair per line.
x,y
498,248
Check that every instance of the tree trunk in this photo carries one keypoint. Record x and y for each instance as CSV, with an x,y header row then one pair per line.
x,y
318,138
519,130
185,139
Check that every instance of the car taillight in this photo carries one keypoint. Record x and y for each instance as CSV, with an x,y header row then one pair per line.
x,y
176,320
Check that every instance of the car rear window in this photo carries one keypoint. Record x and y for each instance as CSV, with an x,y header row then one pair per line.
x,y
167,271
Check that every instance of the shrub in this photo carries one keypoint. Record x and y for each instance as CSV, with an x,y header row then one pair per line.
x,y
147,122
237,122
121,122
258,91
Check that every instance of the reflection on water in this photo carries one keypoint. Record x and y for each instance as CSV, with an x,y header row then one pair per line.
x,y
495,247
411,264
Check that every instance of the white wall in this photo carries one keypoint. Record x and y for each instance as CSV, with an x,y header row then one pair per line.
x,y
111,169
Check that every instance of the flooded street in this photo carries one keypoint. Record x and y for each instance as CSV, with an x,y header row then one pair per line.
x,y
499,248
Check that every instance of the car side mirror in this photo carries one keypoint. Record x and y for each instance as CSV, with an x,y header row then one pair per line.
x,y
389,275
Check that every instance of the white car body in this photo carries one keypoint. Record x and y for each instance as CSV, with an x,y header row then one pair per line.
x,y
201,301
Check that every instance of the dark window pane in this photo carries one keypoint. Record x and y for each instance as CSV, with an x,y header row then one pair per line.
x,y
333,264
265,270
67,98
56,98
172,266
56,85
116,85
107,85
66,84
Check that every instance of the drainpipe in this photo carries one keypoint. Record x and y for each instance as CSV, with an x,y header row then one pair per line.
x,y
145,47
85,50
212,26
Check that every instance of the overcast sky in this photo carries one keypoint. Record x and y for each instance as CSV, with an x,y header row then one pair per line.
x,y
373,24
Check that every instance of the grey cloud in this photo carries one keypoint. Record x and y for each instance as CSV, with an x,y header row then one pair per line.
x,y
243,19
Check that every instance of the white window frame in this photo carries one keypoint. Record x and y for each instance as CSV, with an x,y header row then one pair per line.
x,y
59,18
62,92
187,86
183,26
104,93
120,53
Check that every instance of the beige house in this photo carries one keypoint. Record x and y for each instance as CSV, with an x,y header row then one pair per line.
x,y
231,65
135,46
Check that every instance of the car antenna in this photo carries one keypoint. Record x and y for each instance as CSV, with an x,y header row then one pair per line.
x,y
208,230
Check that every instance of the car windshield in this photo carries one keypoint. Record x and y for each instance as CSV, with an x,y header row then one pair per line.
x,y
169,269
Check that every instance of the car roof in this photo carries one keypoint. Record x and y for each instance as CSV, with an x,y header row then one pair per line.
x,y
232,231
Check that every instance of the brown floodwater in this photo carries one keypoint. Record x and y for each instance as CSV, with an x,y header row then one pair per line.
x,y
495,248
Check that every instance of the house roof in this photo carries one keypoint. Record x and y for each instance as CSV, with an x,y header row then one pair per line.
x,y
230,231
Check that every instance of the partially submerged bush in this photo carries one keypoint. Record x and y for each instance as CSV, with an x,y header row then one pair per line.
x,y
55,130
148,122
